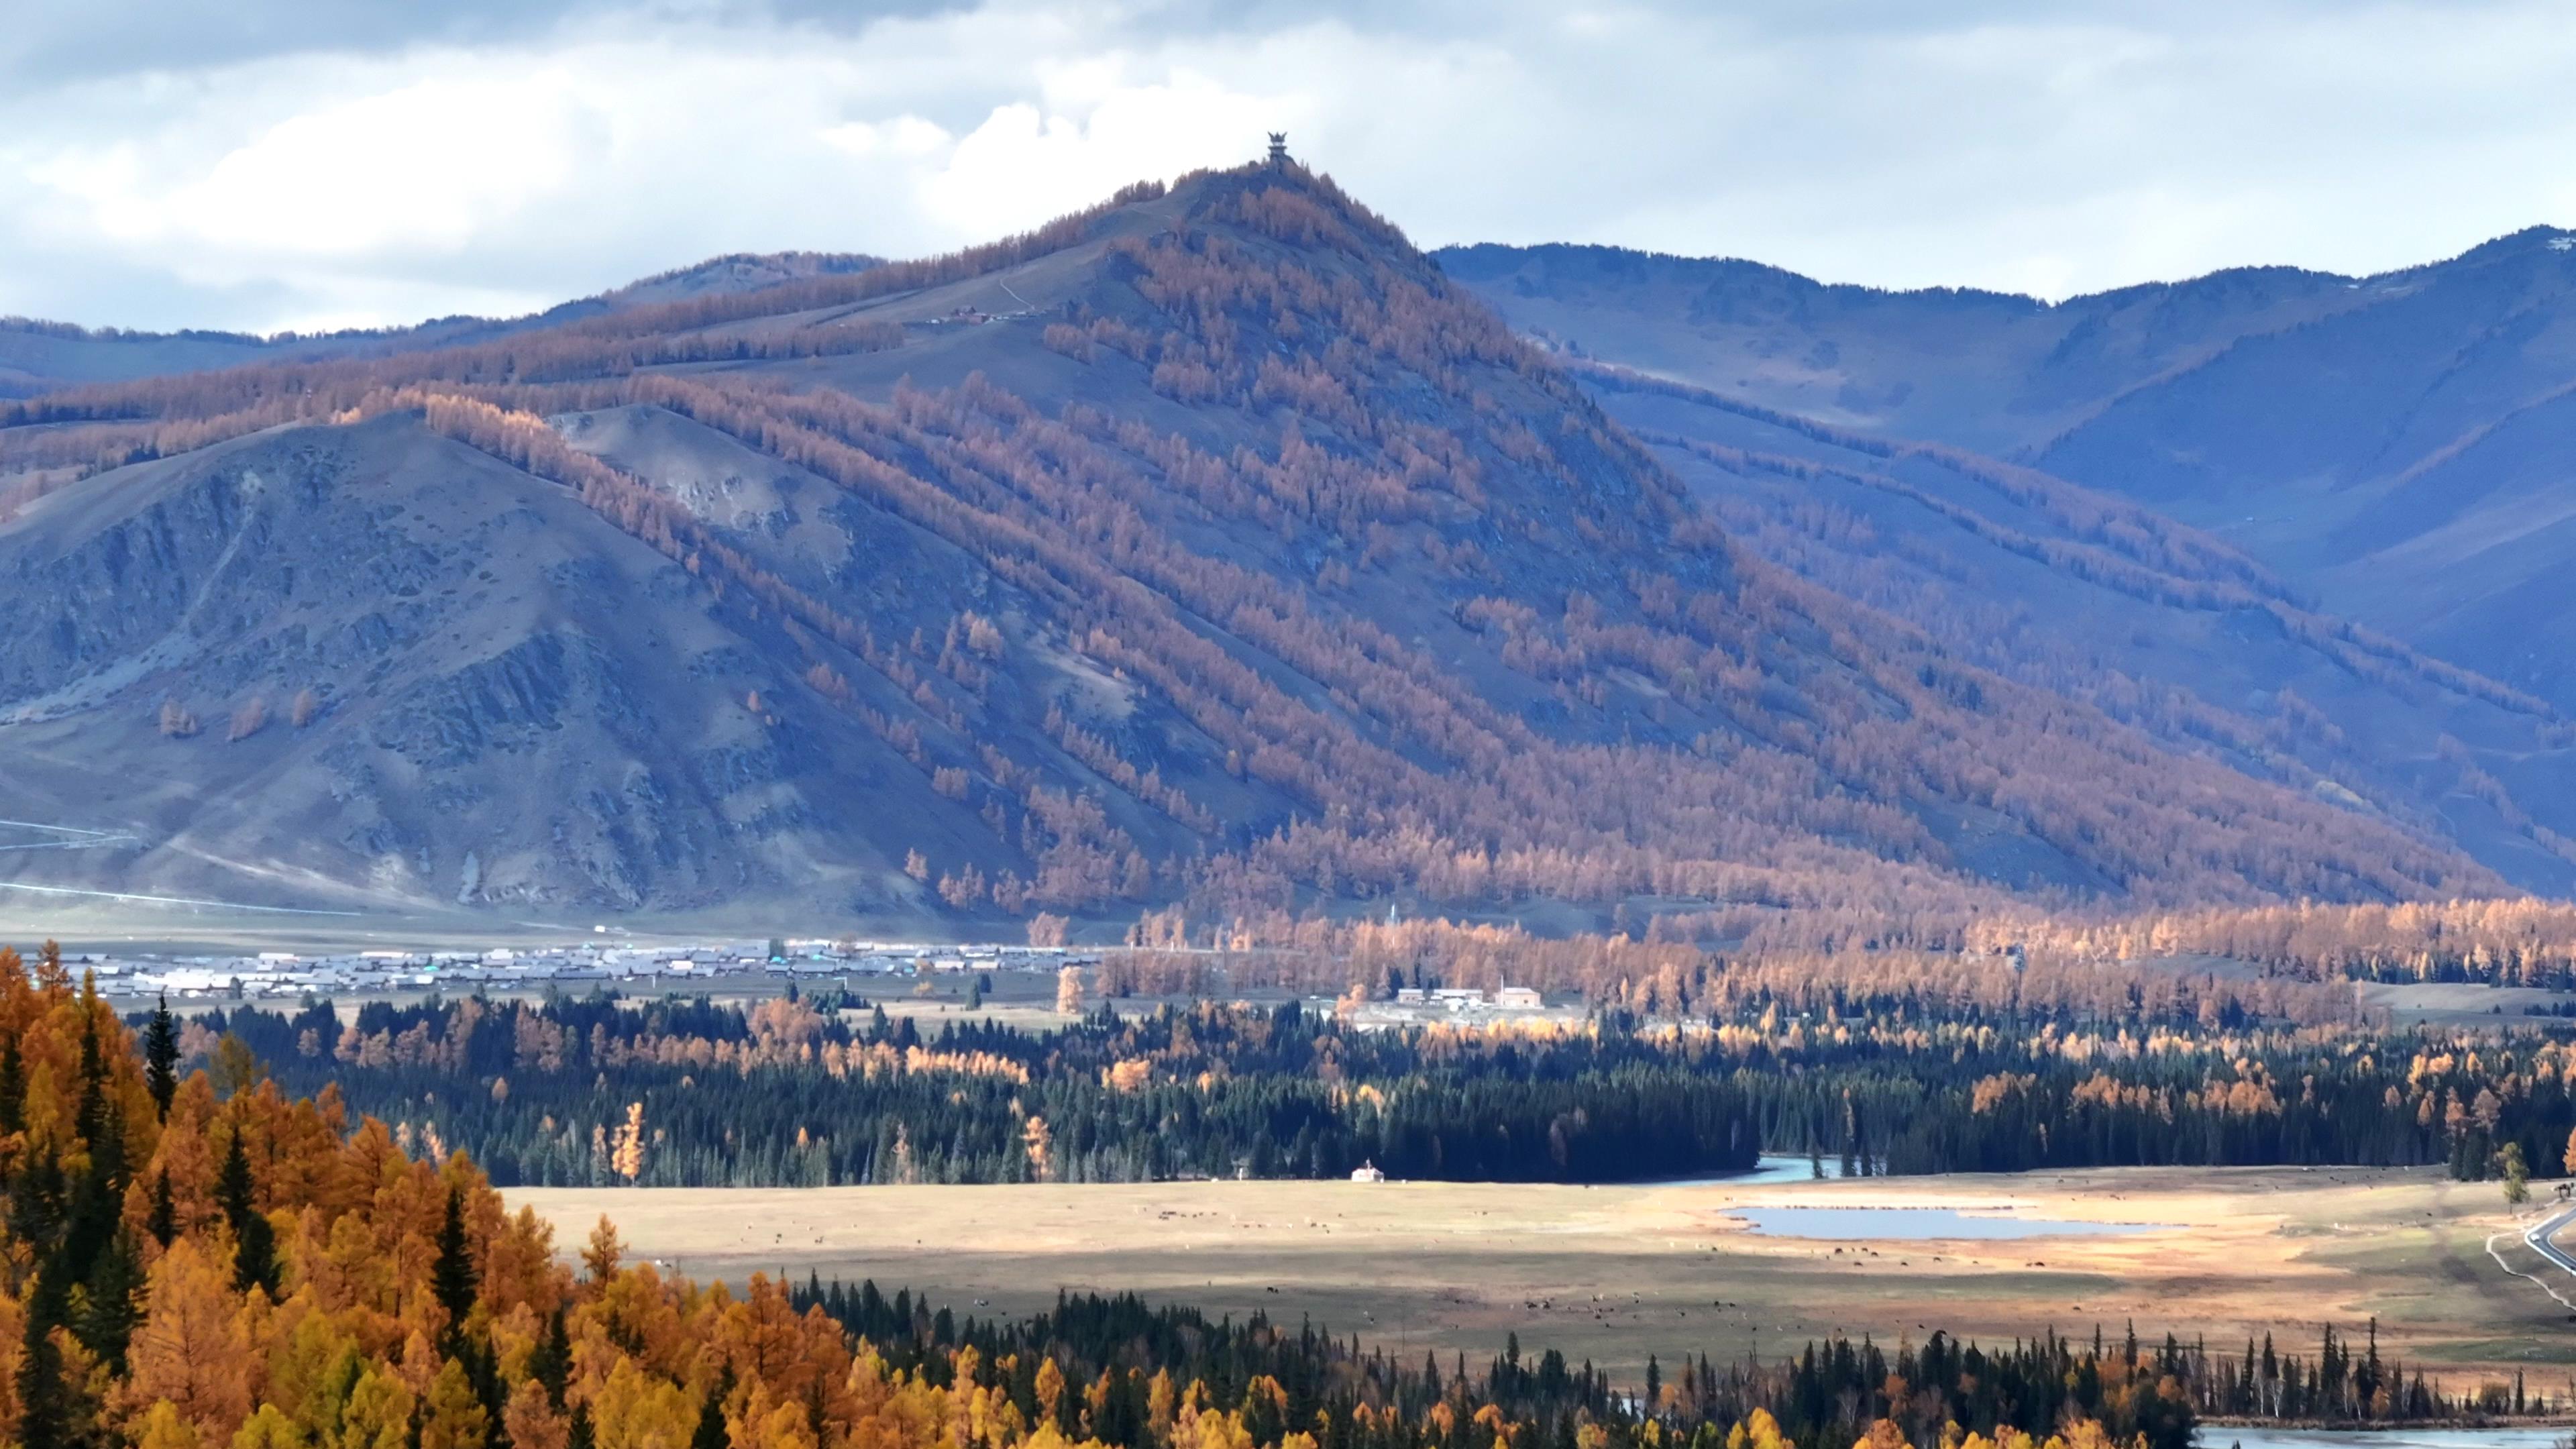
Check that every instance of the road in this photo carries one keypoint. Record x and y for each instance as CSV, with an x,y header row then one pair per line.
x,y
2537,1238
2548,1227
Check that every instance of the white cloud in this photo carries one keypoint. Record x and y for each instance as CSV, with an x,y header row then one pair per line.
x,y
1998,144
423,169
906,137
1029,161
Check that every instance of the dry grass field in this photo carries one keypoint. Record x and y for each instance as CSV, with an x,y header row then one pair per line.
x,y
1616,1273
2434,1003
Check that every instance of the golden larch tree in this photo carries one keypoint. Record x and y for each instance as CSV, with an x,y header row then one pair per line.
x,y
627,1160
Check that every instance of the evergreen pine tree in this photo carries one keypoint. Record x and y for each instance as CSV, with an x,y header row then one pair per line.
x,y
163,1223
13,1088
109,1308
44,1411
482,1363
711,1432
550,1362
161,1058
453,1278
98,1198
254,1240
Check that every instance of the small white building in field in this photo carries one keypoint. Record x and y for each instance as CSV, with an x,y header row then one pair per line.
x,y
1519,998
1367,1172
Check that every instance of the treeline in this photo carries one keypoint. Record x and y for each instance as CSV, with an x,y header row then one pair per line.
x,y
783,1094
191,1263
2525,941
1828,1393
1352,1394
601,1091
1659,977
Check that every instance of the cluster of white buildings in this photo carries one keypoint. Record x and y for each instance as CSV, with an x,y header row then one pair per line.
x,y
1469,998
1417,1006
575,967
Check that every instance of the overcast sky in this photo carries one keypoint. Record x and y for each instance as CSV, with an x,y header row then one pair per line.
x,y
266,164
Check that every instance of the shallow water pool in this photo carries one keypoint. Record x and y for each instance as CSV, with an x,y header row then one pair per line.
x,y
1920,1223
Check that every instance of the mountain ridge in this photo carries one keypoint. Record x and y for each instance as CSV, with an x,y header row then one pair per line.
x,y
1487,257
2377,545
1998,372
38,356
1208,550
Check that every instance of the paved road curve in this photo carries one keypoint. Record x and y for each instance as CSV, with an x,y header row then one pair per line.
x,y
2538,1238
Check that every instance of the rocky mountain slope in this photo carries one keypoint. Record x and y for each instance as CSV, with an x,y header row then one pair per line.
x,y
1210,549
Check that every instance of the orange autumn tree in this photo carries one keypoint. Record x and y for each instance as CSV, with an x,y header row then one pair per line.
x,y
183,1267
185,1270
248,1270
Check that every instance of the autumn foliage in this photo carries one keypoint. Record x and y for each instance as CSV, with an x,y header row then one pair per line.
x,y
202,1261
1397,610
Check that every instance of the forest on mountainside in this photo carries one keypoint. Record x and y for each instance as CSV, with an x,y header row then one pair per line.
x,y
193,1264
2275,956
1298,580
2122,545
2518,942
2297,518
1881,1071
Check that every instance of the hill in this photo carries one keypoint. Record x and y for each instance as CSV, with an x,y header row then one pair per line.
x,y
2301,506
2403,458
2387,444
1209,548
1990,371
39,356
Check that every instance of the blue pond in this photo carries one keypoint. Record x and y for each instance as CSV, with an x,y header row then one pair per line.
x,y
1881,1224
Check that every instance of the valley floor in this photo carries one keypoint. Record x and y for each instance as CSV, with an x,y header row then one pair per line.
x,y
1617,1273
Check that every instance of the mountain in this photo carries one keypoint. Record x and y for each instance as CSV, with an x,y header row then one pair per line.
x,y
2377,453
1991,371
37,357
1209,549
2403,458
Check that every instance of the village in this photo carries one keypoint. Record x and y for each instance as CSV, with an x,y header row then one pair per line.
x,y
737,969
755,967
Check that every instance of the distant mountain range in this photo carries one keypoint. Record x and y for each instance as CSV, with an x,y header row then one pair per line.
x,y
2391,451
1211,552
38,356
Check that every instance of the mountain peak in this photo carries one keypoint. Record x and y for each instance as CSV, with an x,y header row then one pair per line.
x,y
1208,549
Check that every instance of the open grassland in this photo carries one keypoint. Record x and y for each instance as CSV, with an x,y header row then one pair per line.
x,y
1616,1273
2459,1003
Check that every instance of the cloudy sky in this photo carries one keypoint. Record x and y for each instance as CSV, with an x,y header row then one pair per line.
x,y
267,164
